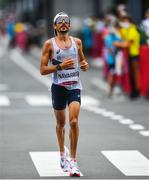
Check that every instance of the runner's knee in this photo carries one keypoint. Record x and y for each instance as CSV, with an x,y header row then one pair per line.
x,y
73,122
60,124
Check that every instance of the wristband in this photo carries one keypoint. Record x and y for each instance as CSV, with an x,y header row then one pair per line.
x,y
58,67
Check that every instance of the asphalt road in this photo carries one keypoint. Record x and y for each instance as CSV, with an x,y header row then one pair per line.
x,y
114,133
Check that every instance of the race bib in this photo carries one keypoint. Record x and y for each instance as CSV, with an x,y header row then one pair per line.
x,y
67,76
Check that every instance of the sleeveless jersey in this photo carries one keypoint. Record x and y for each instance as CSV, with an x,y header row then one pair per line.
x,y
69,78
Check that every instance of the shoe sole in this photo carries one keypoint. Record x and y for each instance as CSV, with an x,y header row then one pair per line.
x,y
65,170
74,175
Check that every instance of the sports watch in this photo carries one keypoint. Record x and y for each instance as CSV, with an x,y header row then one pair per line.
x,y
58,67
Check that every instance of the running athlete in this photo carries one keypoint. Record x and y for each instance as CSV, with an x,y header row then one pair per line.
x,y
67,58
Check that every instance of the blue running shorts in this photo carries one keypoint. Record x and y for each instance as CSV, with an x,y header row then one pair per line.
x,y
62,96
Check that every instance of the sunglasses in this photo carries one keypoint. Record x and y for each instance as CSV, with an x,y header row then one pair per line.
x,y
62,19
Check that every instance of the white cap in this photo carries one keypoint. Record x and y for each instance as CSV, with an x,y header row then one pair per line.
x,y
59,15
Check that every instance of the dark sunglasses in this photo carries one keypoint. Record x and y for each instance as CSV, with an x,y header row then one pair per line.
x,y
60,20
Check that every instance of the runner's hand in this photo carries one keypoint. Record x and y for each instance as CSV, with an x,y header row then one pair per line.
x,y
84,65
68,63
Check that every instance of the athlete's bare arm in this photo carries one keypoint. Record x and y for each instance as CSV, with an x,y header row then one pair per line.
x,y
47,55
82,60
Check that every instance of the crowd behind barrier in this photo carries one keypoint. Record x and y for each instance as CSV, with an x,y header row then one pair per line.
x,y
130,73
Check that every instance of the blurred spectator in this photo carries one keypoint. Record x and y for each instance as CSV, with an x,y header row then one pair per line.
x,y
2,27
121,10
87,36
21,38
131,36
145,24
108,20
10,31
111,55
97,40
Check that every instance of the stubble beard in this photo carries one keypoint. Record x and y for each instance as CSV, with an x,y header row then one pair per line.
x,y
63,32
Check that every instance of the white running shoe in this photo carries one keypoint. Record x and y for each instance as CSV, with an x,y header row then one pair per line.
x,y
74,169
65,165
64,161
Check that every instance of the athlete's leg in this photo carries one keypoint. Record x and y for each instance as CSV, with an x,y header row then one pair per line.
x,y
59,105
60,128
74,109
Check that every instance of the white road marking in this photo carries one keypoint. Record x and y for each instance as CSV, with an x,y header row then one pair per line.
x,y
89,101
4,101
29,68
144,133
108,114
126,121
38,100
3,87
117,117
47,164
130,163
94,109
100,111
113,116
136,127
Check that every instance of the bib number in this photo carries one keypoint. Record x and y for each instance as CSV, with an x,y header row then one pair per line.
x,y
67,76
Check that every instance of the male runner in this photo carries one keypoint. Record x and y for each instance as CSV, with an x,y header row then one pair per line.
x,y
66,57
